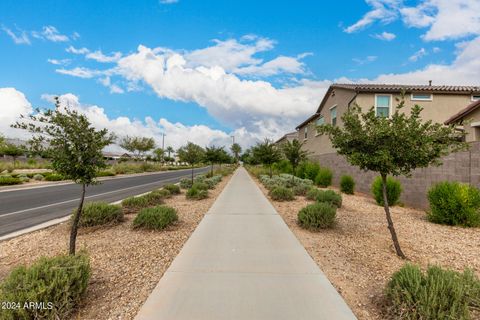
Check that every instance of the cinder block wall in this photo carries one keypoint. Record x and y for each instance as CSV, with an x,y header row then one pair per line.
x,y
461,166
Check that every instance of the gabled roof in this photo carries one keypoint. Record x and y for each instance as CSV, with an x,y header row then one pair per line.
x,y
286,135
462,113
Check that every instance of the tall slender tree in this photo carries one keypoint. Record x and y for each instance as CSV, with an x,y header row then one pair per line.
x,y
294,153
394,145
213,155
75,146
267,154
236,150
191,154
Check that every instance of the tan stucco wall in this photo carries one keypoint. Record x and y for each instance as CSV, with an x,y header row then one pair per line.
x,y
319,144
473,133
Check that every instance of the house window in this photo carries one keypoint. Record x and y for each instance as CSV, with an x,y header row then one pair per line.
x,y
305,132
475,97
333,115
382,105
320,122
422,97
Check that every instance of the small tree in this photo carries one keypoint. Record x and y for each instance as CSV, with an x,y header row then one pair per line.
x,y
191,154
76,149
267,154
236,150
12,150
159,154
137,145
293,152
394,145
213,155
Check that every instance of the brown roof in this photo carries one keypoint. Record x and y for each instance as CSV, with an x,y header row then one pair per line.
x,y
286,135
462,113
367,87
308,120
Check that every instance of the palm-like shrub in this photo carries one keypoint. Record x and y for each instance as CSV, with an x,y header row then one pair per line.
x,y
394,190
100,213
347,184
282,194
317,216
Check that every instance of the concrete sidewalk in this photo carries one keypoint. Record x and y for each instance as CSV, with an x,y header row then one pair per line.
x,y
242,262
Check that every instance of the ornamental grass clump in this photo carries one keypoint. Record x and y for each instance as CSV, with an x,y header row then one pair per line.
x,y
435,294
312,193
155,218
282,194
56,284
330,197
347,184
194,193
317,216
135,203
173,188
100,213
324,177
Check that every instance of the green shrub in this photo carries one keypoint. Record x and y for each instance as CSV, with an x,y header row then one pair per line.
x,y
330,197
9,180
199,178
347,184
316,216
38,177
185,183
196,194
308,170
54,177
100,213
453,203
155,218
436,294
106,173
135,202
324,177
282,194
301,189
60,281
172,188
156,197
394,189
283,166
200,185
313,193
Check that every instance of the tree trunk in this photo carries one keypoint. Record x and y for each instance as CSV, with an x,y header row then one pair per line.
x,y
293,173
396,244
271,173
76,219
192,173
211,170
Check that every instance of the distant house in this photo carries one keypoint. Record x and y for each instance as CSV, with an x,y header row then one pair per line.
x,y
439,104
287,137
468,119
116,155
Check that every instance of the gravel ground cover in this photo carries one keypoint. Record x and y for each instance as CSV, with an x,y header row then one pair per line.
x,y
358,257
126,263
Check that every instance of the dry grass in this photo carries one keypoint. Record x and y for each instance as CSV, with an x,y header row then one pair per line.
x,y
358,257
126,263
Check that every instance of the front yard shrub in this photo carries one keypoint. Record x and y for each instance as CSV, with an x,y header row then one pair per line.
x,y
9,180
308,170
135,202
155,218
324,177
317,216
54,177
394,189
173,188
196,194
38,177
185,183
282,194
301,189
61,281
436,294
100,213
454,203
312,193
330,197
347,184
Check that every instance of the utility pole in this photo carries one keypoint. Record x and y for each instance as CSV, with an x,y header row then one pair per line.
x,y
163,141
233,139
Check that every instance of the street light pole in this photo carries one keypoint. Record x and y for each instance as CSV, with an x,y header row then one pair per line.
x,y
163,141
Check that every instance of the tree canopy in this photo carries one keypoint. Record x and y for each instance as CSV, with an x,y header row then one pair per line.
x,y
236,150
266,153
191,153
293,153
137,145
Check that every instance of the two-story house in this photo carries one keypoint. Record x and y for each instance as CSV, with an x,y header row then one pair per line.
x,y
439,104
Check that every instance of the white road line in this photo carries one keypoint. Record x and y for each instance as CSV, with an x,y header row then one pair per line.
x,y
88,197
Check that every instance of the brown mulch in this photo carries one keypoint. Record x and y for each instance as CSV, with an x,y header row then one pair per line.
x,y
126,264
358,257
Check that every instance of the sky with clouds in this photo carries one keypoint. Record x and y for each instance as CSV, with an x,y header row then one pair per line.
x,y
204,71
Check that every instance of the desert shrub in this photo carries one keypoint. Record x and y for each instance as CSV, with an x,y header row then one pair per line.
x,y
308,170
38,177
185,183
283,166
324,177
105,173
394,189
330,197
155,218
316,216
347,184
210,183
282,194
53,177
200,186
135,202
313,193
60,281
156,197
196,194
172,188
454,203
301,189
436,294
24,179
9,180
100,213
199,178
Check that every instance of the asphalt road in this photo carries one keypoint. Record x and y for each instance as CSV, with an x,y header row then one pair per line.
x,y
24,208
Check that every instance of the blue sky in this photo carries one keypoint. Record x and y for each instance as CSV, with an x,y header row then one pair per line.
x,y
253,69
